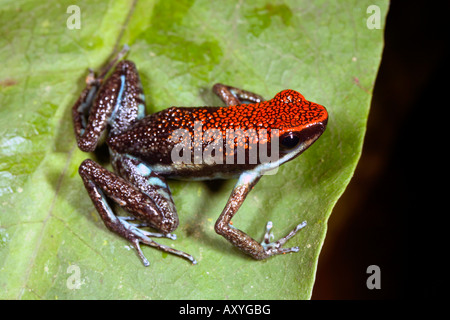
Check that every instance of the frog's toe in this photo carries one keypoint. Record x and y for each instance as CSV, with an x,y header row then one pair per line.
x,y
136,236
136,227
160,235
274,248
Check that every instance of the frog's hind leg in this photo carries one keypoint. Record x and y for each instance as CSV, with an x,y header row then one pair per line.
x,y
233,96
152,184
103,186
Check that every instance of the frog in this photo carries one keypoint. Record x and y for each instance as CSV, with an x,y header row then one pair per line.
x,y
112,109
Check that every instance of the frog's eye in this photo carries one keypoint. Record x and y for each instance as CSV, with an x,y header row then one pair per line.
x,y
289,141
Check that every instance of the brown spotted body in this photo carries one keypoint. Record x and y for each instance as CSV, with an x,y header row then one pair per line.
x,y
288,112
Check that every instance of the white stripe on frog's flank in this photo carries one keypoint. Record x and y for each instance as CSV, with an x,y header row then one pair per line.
x,y
119,99
271,167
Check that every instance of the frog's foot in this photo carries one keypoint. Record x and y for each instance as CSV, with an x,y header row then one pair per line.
x,y
171,236
137,236
274,248
112,62
234,96
93,80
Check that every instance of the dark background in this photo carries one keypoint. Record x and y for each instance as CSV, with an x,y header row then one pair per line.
x,y
391,215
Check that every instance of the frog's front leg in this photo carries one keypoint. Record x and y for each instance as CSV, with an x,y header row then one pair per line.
x,y
242,240
102,185
115,103
233,96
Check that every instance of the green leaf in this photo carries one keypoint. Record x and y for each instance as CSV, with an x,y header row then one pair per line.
x,y
50,233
